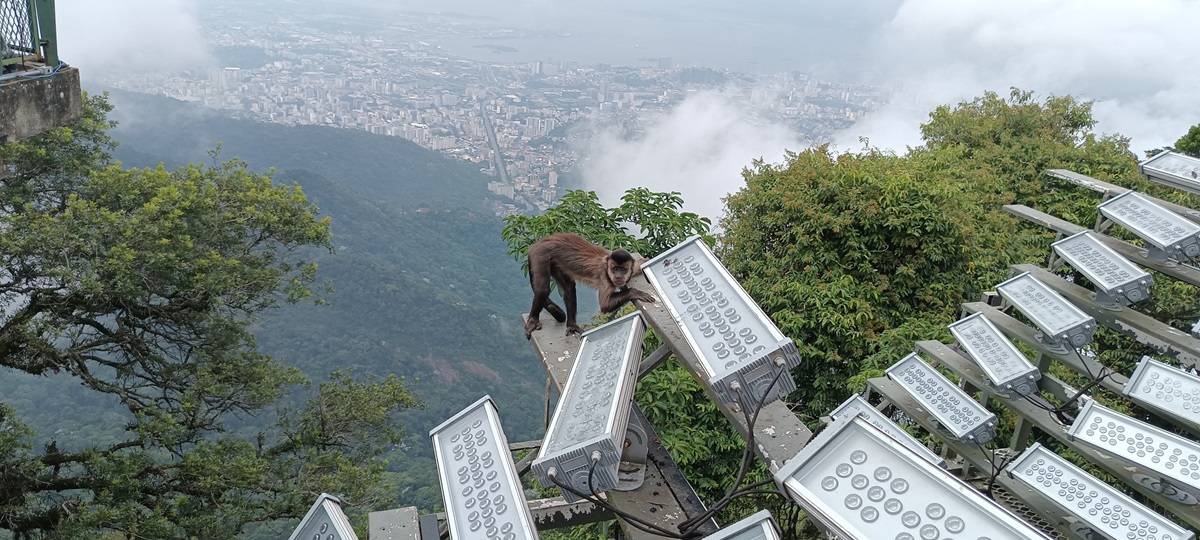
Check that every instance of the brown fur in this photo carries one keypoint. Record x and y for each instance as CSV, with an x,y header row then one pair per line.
x,y
567,258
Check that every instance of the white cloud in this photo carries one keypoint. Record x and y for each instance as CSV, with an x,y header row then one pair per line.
x,y
1137,60
698,148
138,36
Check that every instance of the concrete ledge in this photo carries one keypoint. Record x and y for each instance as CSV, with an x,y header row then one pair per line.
x,y
29,107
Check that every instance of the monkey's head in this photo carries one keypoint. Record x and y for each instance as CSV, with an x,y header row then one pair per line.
x,y
621,267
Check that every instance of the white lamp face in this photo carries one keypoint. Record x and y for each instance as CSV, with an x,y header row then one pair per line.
x,y
1162,388
1176,169
1008,370
1053,314
1105,510
1111,273
965,418
1162,228
858,483
857,406
483,495
725,328
1171,458
759,526
593,411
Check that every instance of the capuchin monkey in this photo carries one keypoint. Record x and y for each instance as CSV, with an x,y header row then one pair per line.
x,y
568,258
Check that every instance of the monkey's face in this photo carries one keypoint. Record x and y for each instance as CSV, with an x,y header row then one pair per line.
x,y
619,274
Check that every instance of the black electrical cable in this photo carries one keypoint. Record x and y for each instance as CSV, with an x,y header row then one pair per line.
x,y
694,523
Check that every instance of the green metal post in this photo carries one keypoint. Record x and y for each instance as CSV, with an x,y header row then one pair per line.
x,y
46,26
34,36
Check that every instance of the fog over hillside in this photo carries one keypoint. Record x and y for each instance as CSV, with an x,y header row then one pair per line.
x,y
1135,59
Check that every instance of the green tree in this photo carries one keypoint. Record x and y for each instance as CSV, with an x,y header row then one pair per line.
x,y
840,250
856,256
141,284
658,216
1190,143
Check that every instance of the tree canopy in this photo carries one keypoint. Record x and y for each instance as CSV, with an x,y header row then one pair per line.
x,y
141,285
1189,143
858,255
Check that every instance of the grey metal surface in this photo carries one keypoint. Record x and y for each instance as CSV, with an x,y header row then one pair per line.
x,y
394,524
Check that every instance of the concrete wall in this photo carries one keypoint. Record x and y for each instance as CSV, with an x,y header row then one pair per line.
x,y
32,106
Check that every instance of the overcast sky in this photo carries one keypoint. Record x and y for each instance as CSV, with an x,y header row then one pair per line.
x,y
1138,60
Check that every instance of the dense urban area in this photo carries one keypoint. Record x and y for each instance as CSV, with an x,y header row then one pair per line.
x,y
531,116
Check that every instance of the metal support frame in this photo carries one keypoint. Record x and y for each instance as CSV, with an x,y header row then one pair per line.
x,y
1141,327
971,454
1135,254
1108,191
1050,425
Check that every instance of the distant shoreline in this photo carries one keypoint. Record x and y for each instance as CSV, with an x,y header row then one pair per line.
x,y
497,48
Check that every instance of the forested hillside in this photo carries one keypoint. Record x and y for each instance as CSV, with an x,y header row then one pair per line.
x,y
430,295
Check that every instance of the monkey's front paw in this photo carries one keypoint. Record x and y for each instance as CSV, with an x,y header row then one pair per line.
x,y
531,326
573,329
643,296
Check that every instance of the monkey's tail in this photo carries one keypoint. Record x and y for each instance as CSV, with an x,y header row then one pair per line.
x,y
555,311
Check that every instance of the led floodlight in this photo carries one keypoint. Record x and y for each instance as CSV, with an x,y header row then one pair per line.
x,y
1173,169
593,412
1103,511
1162,388
740,347
857,406
483,495
858,484
324,521
1117,281
759,526
1060,321
1166,233
948,404
1165,462
1009,371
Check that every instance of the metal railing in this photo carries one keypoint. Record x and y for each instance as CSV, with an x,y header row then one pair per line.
x,y
27,32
